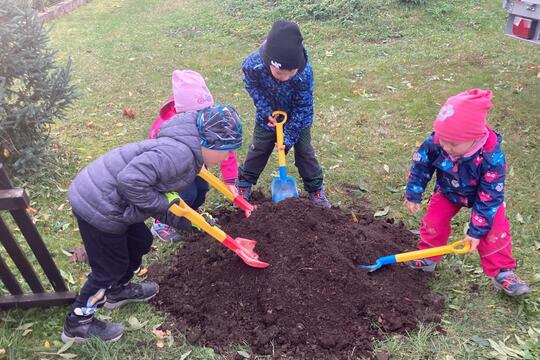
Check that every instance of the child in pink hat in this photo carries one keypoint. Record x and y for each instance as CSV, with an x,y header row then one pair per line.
x,y
190,93
466,155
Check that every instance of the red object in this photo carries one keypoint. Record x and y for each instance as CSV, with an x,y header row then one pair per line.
x,y
244,205
495,249
523,27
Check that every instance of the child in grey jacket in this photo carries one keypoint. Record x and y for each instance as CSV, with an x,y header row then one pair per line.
x,y
113,196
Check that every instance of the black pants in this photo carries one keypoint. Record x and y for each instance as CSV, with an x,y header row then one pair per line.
x,y
113,258
304,158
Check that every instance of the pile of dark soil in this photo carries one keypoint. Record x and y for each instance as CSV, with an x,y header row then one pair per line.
x,y
313,302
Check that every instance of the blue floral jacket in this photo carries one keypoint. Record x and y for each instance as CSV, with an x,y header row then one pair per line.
x,y
294,96
476,182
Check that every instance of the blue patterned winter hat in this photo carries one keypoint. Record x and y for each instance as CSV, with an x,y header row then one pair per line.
x,y
220,128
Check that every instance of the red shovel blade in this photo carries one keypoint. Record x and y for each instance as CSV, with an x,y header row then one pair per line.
x,y
244,249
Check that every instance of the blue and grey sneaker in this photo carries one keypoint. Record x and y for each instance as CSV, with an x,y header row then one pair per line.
x,y
83,328
130,292
319,198
164,232
425,265
509,282
244,189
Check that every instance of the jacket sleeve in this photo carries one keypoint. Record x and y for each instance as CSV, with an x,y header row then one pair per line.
x,y
489,197
252,85
302,109
420,173
229,168
137,181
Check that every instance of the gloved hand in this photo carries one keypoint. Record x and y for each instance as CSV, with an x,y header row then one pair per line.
x,y
173,198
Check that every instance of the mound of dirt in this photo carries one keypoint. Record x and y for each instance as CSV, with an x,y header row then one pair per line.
x,y
313,302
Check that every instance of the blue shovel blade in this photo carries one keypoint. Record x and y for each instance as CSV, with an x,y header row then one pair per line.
x,y
283,188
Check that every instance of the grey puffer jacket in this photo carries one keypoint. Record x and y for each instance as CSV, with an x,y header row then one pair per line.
x,y
127,184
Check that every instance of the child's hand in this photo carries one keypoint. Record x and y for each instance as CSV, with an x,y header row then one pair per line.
x,y
412,207
271,121
279,148
474,243
233,189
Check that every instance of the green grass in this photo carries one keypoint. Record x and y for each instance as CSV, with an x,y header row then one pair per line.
x,y
378,88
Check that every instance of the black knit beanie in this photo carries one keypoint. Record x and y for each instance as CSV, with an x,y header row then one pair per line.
x,y
283,47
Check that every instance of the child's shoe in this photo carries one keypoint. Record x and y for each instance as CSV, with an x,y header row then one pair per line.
x,y
82,328
124,294
164,232
425,265
509,282
319,198
244,189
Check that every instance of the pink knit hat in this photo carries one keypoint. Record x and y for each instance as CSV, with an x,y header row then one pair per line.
x,y
190,91
464,116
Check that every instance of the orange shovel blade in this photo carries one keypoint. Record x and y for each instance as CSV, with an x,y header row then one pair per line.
x,y
244,249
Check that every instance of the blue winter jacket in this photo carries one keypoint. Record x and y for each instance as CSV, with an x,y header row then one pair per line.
x,y
476,182
294,96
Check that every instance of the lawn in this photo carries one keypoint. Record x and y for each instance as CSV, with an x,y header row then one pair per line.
x,y
380,81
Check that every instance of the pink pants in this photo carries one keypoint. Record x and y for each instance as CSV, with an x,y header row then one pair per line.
x,y
495,249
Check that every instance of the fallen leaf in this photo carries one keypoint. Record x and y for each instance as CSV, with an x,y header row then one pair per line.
x,y
65,347
32,211
129,113
68,356
382,212
61,207
519,218
90,125
2,351
142,271
78,254
354,218
26,332
6,152
25,326
243,354
449,357
159,333
386,168
46,344
185,355
160,343
135,324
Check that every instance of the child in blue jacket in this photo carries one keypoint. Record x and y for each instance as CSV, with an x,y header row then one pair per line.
x,y
278,76
466,155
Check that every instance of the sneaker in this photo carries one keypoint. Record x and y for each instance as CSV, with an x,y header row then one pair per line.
x,y
244,189
164,232
509,282
83,328
125,294
319,198
425,265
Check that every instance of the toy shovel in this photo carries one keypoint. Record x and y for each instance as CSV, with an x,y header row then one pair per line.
x,y
457,247
240,246
284,186
238,200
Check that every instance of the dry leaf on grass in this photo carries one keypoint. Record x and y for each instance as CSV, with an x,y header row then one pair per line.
x,y
129,113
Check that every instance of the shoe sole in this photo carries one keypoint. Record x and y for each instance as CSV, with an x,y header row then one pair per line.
x,y
112,306
499,287
65,338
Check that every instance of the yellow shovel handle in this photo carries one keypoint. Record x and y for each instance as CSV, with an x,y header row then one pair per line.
x,y
216,183
279,135
182,209
457,247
